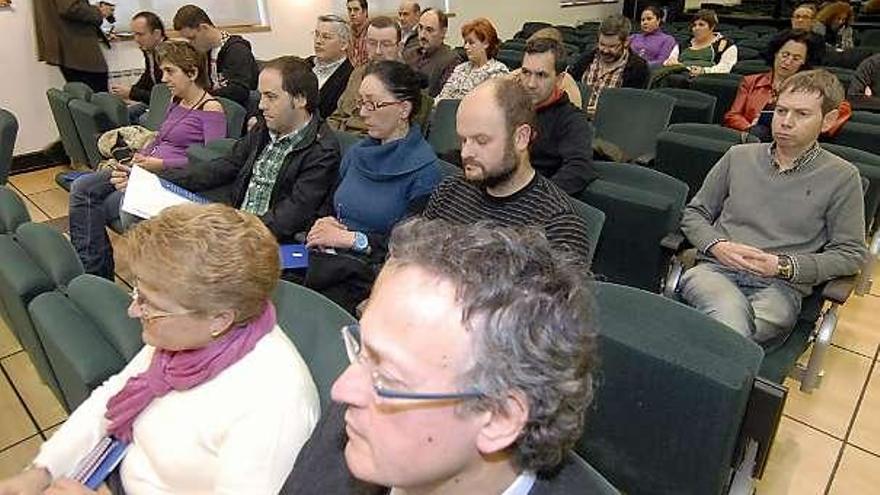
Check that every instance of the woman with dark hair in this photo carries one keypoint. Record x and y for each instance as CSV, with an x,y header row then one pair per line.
x,y
481,45
652,44
383,178
709,52
834,24
788,53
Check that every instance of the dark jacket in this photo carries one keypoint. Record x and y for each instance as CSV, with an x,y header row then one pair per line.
x,y
140,91
635,73
334,86
238,70
563,148
302,190
68,32
320,468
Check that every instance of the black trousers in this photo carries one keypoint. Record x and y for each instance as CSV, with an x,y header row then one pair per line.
x,y
95,80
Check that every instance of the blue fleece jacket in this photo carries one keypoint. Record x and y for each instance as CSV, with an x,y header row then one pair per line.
x,y
379,182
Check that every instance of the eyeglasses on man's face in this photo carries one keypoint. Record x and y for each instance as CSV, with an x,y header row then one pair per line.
x,y
351,337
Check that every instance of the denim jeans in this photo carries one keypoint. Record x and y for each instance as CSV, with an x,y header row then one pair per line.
x,y
94,203
759,308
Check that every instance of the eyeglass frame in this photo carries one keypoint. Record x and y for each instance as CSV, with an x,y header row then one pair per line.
x,y
351,339
372,106
149,315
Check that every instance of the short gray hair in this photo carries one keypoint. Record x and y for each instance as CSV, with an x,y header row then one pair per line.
x,y
340,25
530,309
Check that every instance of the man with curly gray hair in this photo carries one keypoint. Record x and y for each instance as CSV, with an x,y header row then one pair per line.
x,y
471,371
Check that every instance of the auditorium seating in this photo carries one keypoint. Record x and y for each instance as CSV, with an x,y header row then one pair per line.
x,y
690,105
721,86
58,104
8,133
93,117
441,129
629,119
160,98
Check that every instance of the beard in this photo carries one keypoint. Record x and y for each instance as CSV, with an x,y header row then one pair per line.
x,y
509,165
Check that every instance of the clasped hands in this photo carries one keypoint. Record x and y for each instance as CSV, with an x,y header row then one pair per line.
x,y
746,258
328,232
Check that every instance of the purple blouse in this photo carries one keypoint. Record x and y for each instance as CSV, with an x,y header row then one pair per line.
x,y
181,128
654,47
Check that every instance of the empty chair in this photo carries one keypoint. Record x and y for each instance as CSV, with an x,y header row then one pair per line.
x,y
865,117
78,90
748,67
8,133
721,86
630,120
160,99
441,130
860,135
690,105
95,117
594,219
58,104
870,38
86,333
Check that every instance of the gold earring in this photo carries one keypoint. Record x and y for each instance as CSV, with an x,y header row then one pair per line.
x,y
218,333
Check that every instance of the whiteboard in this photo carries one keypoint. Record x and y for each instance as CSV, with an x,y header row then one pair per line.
x,y
222,12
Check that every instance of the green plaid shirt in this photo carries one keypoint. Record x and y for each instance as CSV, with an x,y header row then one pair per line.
x,y
266,168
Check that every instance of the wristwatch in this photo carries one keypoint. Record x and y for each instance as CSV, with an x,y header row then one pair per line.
x,y
785,269
361,242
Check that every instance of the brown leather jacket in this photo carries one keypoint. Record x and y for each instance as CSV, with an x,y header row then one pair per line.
x,y
68,32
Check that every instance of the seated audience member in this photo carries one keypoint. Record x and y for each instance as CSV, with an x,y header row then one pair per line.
x,y
569,85
871,7
218,400
500,364
562,150
755,264
496,124
432,58
803,17
194,117
383,178
329,63
866,81
408,15
612,64
481,45
148,32
708,52
834,25
232,68
652,44
383,42
359,19
284,168
787,53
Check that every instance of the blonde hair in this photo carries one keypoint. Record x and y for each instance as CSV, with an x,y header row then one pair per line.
x,y
208,258
818,81
547,32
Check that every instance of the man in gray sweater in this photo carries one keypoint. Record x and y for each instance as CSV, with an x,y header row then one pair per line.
x,y
773,220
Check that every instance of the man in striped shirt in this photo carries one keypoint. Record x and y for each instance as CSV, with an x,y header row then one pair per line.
x,y
496,124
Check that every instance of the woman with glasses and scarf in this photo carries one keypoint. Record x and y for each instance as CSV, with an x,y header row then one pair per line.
x,y
218,400
383,178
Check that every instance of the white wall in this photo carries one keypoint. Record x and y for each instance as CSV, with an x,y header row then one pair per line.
x,y
24,81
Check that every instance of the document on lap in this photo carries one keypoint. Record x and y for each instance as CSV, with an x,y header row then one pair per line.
x,y
146,194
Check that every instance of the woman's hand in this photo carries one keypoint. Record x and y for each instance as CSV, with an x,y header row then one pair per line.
x,y
119,176
30,482
150,163
66,486
695,71
329,232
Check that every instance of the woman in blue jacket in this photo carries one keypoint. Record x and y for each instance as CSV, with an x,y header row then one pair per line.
x,y
383,178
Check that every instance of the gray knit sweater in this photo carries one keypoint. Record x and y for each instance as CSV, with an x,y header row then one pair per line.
x,y
813,213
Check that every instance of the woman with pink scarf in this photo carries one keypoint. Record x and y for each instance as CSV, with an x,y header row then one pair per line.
x,y
218,400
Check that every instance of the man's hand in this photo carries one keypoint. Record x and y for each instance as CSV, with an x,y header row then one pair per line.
x,y
121,91
30,482
746,258
328,232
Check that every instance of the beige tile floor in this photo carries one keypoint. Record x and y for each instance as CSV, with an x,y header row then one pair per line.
x,y
828,441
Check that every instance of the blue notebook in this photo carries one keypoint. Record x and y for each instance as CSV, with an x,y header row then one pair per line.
x,y
195,198
294,256
94,468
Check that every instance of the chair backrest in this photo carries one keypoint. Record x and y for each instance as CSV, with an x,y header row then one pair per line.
x,y
594,219
869,168
346,140
13,212
447,169
746,53
58,104
235,115
91,122
8,133
747,67
79,90
645,431
113,107
711,131
721,86
690,105
441,131
688,158
160,98
631,118
511,58
313,322
865,117
859,135
870,38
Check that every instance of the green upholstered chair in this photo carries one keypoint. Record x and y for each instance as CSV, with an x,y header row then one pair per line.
x,y
8,133
447,169
78,90
58,104
642,207
865,117
630,120
441,129
160,98
34,258
594,218
672,392
235,115
747,67
86,333
95,117
860,135
511,58
347,140
690,105
13,212
869,168
721,86
313,322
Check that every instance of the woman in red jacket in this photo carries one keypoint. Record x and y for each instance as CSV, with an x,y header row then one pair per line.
x,y
788,53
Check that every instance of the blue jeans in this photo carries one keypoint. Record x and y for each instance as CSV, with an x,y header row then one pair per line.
x,y
759,308
94,203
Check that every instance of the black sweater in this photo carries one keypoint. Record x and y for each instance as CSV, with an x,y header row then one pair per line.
x,y
563,148
331,92
152,75
238,70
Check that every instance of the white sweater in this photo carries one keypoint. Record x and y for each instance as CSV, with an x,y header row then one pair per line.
x,y
238,433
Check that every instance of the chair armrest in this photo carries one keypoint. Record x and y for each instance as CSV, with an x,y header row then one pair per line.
x,y
760,422
838,290
674,242
645,160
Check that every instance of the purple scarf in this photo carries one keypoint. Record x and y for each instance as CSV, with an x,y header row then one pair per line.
x,y
183,370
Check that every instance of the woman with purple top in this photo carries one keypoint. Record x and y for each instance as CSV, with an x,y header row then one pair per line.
x,y
652,44
194,117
